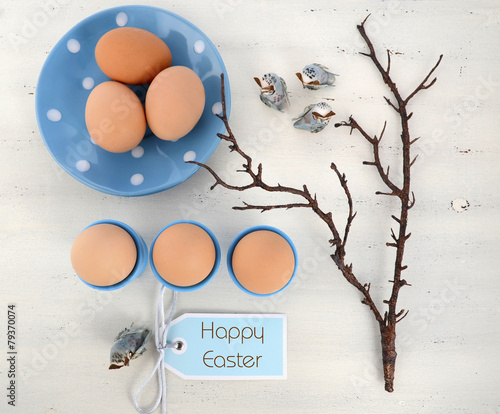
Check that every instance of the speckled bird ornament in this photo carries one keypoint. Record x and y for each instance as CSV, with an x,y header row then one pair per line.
x,y
316,76
129,344
314,118
273,91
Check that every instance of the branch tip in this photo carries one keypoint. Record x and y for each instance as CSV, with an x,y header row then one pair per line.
x,y
396,219
402,317
364,21
391,104
388,61
400,313
413,161
387,194
412,202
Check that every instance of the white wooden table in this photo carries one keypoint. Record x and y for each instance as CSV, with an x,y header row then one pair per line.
x,y
448,346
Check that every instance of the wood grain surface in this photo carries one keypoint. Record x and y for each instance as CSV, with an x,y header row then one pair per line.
x,y
448,345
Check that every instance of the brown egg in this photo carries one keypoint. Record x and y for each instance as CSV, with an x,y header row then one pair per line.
x,y
103,254
115,117
263,262
131,55
184,254
174,102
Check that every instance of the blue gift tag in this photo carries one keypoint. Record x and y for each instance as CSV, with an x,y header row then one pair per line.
x,y
228,346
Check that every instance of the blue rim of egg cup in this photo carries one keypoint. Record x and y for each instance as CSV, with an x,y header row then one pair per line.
x,y
142,256
237,240
199,284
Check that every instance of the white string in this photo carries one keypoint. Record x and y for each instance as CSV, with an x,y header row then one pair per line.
x,y
161,331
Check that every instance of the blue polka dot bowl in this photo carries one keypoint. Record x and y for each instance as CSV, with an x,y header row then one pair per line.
x,y
71,72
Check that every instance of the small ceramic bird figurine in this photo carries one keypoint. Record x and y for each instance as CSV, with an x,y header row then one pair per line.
x,y
314,118
129,344
273,91
316,76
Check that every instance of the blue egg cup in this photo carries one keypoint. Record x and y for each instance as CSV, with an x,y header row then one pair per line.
x,y
69,75
142,256
236,241
204,281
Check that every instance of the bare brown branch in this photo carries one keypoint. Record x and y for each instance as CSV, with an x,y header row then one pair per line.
x,y
406,196
352,214
272,207
387,323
